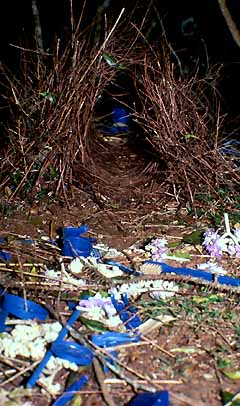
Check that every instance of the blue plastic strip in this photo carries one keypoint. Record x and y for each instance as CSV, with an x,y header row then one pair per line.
x,y
68,394
122,267
195,273
33,379
3,317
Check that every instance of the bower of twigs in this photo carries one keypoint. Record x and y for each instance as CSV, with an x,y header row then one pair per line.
x,y
51,141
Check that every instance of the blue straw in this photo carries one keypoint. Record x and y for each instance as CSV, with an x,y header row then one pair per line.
x,y
33,379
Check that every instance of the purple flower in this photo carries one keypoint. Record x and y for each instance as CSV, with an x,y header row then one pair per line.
x,y
211,243
98,302
237,247
216,244
158,248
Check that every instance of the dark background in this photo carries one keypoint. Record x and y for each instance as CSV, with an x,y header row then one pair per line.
x,y
196,30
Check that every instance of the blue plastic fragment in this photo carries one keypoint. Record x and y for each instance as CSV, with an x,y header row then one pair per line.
x,y
114,357
112,338
151,399
5,256
23,309
195,273
3,240
68,394
72,352
74,244
128,316
71,304
3,317
120,117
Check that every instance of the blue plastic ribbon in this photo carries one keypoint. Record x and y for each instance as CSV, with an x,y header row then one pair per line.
x,y
69,394
195,273
33,379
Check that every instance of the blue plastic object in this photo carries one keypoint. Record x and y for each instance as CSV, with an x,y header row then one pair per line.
x,y
195,273
5,256
151,399
3,240
3,318
77,247
23,309
120,117
68,394
111,338
128,317
74,244
72,352
75,231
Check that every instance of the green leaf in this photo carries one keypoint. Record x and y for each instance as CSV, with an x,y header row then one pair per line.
x,y
195,238
49,96
189,136
185,350
93,324
227,397
231,374
202,299
180,254
223,363
112,61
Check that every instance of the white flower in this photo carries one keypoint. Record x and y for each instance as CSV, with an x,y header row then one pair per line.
x,y
47,382
76,266
212,267
114,322
133,290
50,331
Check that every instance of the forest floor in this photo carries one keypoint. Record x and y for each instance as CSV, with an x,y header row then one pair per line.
x,y
195,356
